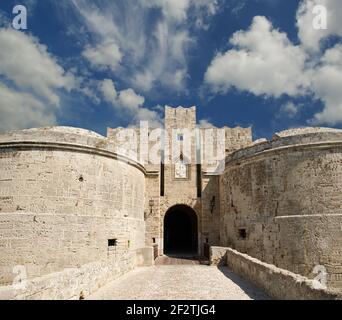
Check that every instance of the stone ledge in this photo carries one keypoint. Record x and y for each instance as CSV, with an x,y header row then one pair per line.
x,y
324,140
73,283
29,145
276,282
68,284
218,256
303,131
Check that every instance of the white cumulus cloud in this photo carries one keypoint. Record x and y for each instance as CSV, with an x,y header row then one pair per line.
x,y
108,90
128,102
327,84
129,99
309,36
289,109
31,80
21,110
105,55
28,64
263,62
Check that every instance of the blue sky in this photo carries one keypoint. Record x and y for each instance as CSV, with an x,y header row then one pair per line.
x,y
99,64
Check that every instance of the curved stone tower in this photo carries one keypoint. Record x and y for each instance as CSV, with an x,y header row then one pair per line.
x,y
71,211
281,201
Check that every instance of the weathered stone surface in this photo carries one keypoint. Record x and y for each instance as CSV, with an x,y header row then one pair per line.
x,y
277,283
218,256
61,200
75,204
286,196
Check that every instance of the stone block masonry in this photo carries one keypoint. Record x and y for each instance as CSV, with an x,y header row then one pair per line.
x,y
276,282
281,202
69,207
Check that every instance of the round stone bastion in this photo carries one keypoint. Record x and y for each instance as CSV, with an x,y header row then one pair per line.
x,y
281,202
67,200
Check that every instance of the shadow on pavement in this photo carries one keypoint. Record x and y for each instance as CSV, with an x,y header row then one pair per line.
x,y
250,289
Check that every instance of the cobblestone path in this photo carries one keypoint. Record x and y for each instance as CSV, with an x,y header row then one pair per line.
x,y
179,282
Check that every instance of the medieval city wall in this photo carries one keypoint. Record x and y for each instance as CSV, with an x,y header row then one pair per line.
x,y
281,202
70,209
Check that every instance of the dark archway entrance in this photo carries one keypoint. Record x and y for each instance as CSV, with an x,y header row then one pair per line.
x,y
180,231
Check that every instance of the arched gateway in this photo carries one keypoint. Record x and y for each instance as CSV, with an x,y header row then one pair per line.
x,y
180,231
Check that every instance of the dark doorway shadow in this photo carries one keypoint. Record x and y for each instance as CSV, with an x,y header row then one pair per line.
x,y
180,232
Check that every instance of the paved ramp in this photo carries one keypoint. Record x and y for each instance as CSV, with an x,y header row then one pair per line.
x,y
177,260
179,282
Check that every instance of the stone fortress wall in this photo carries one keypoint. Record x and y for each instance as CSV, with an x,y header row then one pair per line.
x,y
67,201
281,202
77,213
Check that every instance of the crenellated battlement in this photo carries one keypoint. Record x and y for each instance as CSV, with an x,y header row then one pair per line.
x,y
180,118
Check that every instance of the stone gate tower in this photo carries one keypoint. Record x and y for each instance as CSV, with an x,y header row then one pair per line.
x,y
182,192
